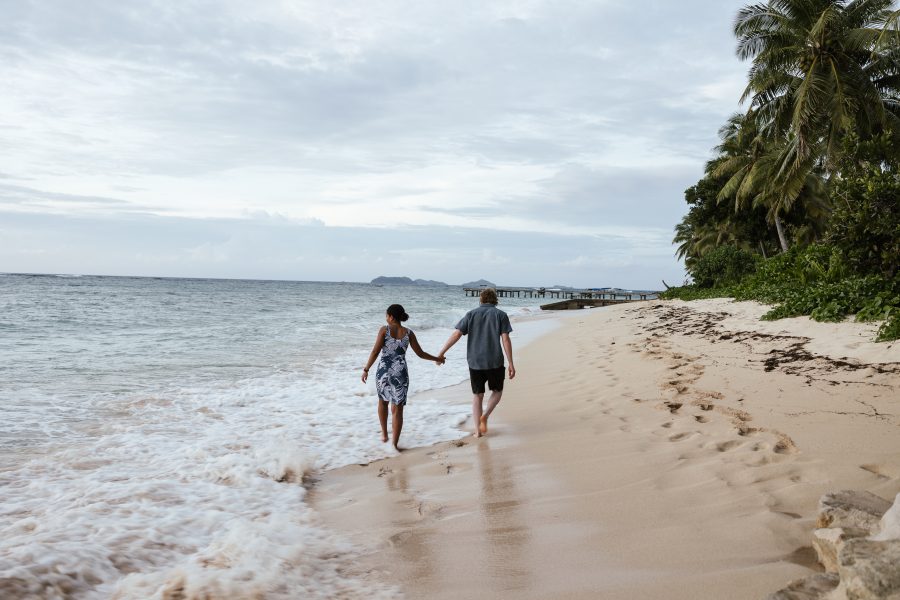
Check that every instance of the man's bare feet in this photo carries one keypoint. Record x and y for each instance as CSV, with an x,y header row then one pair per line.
x,y
482,425
384,437
398,448
477,434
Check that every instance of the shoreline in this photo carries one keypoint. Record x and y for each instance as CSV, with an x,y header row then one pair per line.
x,y
663,449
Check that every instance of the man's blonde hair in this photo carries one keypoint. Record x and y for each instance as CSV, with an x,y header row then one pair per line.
x,y
489,296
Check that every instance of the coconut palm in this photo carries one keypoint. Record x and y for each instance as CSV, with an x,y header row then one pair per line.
x,y
755,176
821,68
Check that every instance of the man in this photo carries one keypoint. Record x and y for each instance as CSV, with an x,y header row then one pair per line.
x,y
488,329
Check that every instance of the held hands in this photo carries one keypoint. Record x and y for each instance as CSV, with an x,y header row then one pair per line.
x,y
440,359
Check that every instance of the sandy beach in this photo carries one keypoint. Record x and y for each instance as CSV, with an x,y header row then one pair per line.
x,y
651,450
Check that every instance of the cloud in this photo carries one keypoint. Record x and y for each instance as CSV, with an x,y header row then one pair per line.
x,y
579,194
32,198
578,117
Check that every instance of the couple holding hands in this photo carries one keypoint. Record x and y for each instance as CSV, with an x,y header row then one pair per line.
x,y
488,329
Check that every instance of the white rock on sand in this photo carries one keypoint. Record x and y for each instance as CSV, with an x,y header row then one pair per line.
x,y
889,528
860,566
851,509
869,570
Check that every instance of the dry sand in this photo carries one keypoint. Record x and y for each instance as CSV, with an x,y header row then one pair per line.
x,y
651,450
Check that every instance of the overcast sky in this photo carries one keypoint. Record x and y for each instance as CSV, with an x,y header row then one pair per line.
x,y
526,142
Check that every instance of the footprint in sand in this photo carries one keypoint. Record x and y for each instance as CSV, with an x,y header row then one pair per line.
x,y
701,418
876,470
738,417
785,446
729,445
673,406
680,436
762,460
667,425
399,538
679,386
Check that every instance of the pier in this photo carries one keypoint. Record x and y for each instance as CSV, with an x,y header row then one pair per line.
x,y
571,298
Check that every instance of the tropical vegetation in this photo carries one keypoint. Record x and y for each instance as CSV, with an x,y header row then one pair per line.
x,y
800,204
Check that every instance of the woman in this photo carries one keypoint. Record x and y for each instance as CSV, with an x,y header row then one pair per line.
x,y
392,376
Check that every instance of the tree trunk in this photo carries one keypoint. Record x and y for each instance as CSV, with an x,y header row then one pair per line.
x,y
781,238
762,249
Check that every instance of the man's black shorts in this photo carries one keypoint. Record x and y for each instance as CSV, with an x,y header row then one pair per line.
x,y
493,377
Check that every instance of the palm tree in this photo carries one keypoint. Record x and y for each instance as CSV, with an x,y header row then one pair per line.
x,y
821,69
754,172
697,239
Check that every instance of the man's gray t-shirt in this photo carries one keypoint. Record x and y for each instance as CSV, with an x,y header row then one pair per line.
x,y
484,325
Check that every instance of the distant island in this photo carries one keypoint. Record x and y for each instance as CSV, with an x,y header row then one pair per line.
x,y
406,281
479,283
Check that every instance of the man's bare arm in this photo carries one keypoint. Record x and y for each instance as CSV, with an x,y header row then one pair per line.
x,y
454,337
507,347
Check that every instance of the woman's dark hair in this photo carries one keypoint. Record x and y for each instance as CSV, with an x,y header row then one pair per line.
x,y
396,311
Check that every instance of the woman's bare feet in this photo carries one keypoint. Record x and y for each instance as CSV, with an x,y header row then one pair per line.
x,y
384,436
482,425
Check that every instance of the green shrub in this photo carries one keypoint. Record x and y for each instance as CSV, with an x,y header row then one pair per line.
x,y
810,281
865,222
890,329
692,292
723,266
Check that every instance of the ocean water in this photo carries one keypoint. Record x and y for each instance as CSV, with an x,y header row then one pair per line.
x,y
154,433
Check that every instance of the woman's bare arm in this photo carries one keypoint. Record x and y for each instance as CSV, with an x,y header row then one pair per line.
x,y
373,355
414,344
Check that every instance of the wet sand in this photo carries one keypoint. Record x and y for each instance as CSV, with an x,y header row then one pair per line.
x,y
654,450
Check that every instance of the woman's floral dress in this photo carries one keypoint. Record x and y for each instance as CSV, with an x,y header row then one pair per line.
x,y
392,376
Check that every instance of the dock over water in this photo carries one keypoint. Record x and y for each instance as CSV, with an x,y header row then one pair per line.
x,y
571,298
